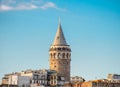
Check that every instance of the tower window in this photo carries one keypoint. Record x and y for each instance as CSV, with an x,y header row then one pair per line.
x,y
63,55
59,55
59,48
67,55
63,48
54,55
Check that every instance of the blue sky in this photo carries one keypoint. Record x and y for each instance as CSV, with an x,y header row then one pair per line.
x,y
91,28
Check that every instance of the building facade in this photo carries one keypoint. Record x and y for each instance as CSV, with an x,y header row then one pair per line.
x,y
33,78
114,77
55,80
100,83
60,55
16,79
37,77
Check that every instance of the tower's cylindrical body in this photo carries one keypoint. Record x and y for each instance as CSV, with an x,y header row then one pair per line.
x,y
60,57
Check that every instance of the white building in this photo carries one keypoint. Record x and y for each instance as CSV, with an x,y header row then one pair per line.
x,y
38,77
13,79
16,79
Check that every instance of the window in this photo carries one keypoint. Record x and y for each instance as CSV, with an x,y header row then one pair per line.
x,y
54,55
59,56
63,48
59,48
63,55
67,55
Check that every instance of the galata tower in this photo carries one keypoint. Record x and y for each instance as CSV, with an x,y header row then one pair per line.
x,y
60,55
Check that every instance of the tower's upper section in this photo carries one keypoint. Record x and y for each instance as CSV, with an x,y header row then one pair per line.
x,y
59,38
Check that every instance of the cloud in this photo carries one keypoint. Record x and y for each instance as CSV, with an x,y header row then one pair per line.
x,y
51,5
25,7
48,5
7,5
19,7
5,8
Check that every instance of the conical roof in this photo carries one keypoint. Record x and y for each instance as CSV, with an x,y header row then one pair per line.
x,y
59,38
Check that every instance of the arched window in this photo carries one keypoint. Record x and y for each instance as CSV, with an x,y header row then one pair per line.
x,y
63,48
59,55
54,55
59,48
63,55
67,55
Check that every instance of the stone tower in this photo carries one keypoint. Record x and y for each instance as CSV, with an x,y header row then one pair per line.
x,y
60,55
